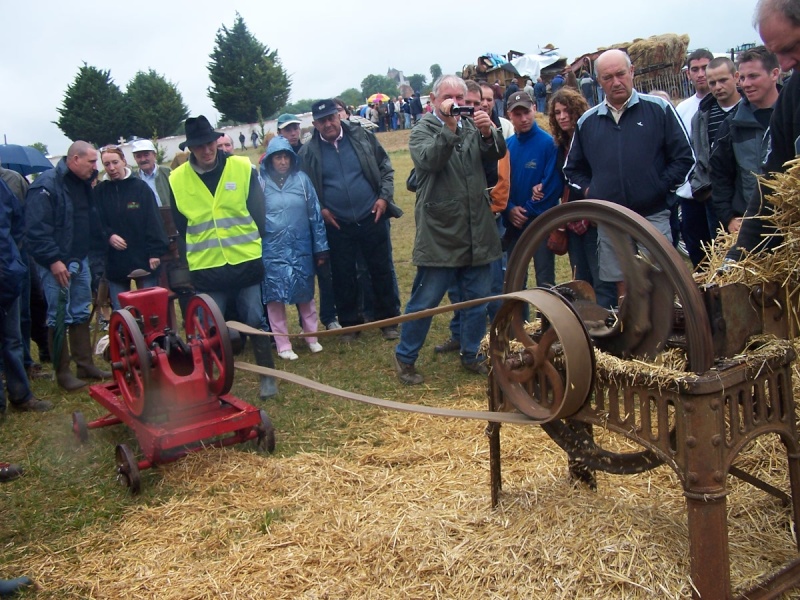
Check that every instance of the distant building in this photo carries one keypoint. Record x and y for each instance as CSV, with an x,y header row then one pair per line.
x,y
397,77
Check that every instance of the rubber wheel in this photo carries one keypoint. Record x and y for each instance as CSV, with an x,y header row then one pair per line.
x,y
128,469
266,434
79,427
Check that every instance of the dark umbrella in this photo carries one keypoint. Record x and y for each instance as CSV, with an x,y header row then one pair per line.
x,y
23,159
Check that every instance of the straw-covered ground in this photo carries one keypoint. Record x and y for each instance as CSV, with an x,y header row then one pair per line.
x,y
402,514
398,508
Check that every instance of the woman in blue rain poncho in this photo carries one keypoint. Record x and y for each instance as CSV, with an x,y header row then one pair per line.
x,y
295,241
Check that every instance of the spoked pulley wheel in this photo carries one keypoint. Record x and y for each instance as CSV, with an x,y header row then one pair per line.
x,y
205,324
130,361
655,279
525,370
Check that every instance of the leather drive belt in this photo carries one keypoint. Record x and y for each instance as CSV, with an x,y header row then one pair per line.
x,y
480,415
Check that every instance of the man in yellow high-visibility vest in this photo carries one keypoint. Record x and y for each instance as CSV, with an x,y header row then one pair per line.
x,y
219,213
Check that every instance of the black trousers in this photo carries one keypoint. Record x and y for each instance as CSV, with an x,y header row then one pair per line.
x,y
372,239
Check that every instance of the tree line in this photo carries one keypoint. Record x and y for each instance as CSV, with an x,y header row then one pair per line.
x,y
247,82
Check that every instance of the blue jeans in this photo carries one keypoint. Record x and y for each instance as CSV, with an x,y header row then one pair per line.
x,y
248,304
114,288
541,105
79,294
498,268
407,120
498,272
19,389
544,263
251,312
430,286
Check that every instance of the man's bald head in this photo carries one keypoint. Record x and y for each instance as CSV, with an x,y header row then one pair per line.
x,y
79,148
615,75
611,55
82,160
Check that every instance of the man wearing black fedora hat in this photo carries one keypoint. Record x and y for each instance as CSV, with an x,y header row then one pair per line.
x,y
219,212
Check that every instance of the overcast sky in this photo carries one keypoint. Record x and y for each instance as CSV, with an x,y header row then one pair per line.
x,y
326,47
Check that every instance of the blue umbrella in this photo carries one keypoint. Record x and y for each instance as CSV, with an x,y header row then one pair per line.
x,y
23,159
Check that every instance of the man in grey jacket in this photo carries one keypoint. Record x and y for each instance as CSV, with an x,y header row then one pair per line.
x,y
456,237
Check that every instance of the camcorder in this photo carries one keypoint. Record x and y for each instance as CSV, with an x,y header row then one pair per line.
x,y
464,111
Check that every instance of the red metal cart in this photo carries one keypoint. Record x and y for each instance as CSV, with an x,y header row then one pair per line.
x,y
172,393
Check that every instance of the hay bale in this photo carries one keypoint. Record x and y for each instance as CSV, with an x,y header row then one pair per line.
x,y
669,48
782,264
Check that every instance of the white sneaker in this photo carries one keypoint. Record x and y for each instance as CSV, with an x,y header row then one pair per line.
x,y
288,355
315,347
333,325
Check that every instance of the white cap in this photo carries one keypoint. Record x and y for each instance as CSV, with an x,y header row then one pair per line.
x,y
143,146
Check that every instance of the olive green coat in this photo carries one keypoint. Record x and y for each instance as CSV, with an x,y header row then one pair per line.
x,y
455,225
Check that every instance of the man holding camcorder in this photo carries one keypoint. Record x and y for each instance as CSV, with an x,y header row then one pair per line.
x,y
456,236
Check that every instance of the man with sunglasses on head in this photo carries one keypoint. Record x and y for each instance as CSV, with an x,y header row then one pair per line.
x,y
354,180
219,212
63,229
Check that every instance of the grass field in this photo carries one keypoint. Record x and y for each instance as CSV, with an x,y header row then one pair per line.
x,y
68,487
356,502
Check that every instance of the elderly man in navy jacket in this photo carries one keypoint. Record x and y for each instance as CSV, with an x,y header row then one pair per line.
x,y
631,149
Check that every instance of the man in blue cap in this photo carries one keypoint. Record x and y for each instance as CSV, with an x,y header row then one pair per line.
x,y
354,180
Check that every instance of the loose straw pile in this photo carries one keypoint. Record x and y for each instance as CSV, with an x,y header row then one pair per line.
x,y
407,515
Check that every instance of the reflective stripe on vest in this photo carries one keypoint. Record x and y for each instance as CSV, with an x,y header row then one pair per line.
x,y
220,229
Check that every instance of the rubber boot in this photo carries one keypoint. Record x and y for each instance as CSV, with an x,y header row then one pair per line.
x,y
66,380
263,355
80,343
9,587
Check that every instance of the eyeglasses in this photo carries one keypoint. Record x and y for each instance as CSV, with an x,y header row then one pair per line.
x,y
111,148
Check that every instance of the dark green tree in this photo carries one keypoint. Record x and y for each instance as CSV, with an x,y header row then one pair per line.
x,y
351,97
93,109
245,75
41,147
155,106
436,71
373,84
417,82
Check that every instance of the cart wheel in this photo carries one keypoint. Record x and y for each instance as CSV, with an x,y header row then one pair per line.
x,y
266,434
130,360
128,469
79,427
206,325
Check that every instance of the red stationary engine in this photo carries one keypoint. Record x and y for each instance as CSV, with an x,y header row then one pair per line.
x,y
172,393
